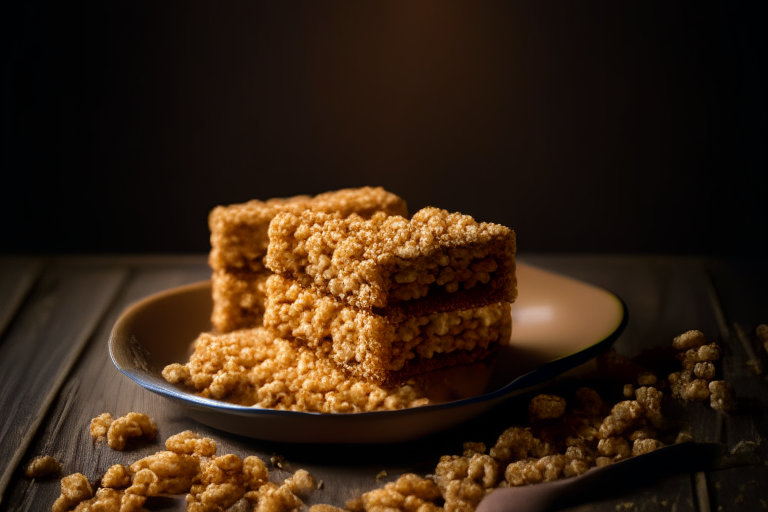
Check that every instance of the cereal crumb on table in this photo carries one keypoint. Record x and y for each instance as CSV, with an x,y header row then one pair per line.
x,y
41,467
119,431
546,407
688,340
189,466
117,476
75,488
191,443
721,396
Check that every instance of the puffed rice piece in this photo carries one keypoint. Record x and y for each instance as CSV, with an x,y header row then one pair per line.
x,y
119,431
704,370
692,356
163,472
100,426
409,493
515,443
533,471
222,484
274,498
255,473
75,488
696,390
615,447
546,407
301,483
41,467
623,415
643,446
191,443
601,462
643,433
650,400
722,397
117,476
112,500
689,340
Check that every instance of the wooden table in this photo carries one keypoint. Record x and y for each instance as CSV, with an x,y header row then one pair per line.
x,y
56,314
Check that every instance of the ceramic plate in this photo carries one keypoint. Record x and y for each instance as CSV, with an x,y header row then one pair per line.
x,y
558,324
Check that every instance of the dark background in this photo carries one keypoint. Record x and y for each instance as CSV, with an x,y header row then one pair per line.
x,y
623,127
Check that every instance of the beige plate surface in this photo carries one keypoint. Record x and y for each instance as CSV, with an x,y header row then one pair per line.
x,y
558,324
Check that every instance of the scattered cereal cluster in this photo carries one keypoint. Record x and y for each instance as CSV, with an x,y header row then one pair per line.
x,y
563,440
696,380
119,431
75,488
42,467
188,465
251,367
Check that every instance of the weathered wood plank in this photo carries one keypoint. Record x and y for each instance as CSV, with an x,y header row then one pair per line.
x,y
95,385
41,347
17,275
739,291
665,296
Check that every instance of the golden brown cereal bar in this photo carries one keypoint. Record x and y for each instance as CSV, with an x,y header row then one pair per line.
x,y
239,232
384,349
437,261
239,242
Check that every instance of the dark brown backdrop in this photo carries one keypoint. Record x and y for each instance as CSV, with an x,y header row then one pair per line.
x,y
585,126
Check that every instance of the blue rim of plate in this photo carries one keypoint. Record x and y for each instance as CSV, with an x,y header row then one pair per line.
x,y
541,374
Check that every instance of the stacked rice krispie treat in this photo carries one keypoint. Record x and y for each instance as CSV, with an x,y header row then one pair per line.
x,y
395,297
359,304
239,243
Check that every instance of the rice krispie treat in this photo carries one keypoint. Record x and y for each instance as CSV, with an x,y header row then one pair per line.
x,y
384,349
239,242
437,261
239,232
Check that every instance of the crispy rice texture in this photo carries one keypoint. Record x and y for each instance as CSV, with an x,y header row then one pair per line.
x,y
253,367
239,242
238,299
437,261
384,349
239,232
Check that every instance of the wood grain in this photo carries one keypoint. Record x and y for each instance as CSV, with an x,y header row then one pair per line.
x,y
43,345
16,279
